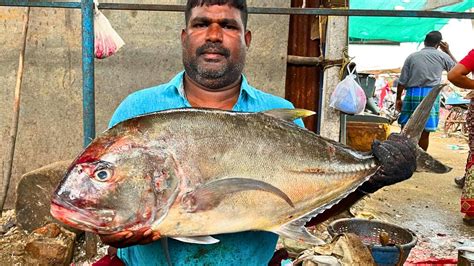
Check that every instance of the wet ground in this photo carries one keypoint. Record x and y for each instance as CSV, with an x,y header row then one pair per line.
x,y
428,203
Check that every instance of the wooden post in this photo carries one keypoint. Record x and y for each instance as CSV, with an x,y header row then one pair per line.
x,y
336,42
8,163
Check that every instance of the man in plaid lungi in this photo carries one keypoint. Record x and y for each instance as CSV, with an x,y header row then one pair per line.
x,y
422,71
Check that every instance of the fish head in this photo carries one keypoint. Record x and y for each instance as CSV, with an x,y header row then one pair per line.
x,y
115,185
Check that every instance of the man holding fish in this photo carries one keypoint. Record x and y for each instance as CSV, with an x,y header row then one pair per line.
x,y
214,185
214,46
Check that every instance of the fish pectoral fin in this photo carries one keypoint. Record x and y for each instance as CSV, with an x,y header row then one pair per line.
x,y
299,233
426,163
208,196
203,240
289,114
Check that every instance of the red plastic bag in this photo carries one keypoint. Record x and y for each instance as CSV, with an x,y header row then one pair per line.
x,y
107,41
348,97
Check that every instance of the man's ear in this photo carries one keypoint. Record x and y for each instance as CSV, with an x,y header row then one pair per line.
x,y
183,36
248,38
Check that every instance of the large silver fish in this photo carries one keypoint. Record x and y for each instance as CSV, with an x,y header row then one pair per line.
x,y
191,173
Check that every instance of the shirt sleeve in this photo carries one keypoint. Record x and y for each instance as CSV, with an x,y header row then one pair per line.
x,y
128,108
404,74
449,62
300,122
468,61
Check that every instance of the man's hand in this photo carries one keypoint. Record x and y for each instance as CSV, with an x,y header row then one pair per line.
x,y
397,156
398,105
129,238
444,46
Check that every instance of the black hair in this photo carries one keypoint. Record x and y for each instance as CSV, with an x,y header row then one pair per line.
x,y
239,4
433,38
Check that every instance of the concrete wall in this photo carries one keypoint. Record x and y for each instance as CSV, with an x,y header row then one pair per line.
x,y
50,126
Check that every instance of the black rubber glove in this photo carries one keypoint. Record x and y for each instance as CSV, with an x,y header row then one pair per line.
x,y
397,156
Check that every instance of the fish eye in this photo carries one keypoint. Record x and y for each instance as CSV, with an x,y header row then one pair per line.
x,y
103,175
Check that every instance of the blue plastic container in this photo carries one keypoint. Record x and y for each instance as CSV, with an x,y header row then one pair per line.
x,y
401,240
456,99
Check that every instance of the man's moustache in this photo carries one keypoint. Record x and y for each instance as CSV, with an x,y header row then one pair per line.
x,y
213,48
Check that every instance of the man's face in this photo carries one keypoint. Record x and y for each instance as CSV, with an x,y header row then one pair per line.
x,y
214,46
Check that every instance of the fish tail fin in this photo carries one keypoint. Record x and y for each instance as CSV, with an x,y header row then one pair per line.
x,y
415,124
414,128
426,163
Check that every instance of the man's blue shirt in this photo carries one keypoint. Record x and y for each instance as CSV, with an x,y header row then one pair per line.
x,y
244,248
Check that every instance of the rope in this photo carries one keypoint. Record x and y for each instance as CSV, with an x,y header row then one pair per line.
x,y
346,59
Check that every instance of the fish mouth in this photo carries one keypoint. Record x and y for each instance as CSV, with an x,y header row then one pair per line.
x,y
88,220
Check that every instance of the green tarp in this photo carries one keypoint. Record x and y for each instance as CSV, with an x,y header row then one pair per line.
x,y
397,29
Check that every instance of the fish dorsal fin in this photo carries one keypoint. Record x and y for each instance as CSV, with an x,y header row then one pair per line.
x,y
209,195
289,114
203,240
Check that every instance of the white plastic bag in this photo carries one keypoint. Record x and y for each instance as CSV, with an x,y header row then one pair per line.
x,y
107,41
348,97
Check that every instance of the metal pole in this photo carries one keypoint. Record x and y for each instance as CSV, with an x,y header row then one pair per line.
x,y
88,102
31,3
87,7
257,10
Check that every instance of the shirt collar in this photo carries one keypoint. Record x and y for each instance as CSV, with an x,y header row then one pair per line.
x,y
178,83
247,88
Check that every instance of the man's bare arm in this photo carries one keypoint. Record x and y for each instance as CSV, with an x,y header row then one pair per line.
x,y
398,102
458,76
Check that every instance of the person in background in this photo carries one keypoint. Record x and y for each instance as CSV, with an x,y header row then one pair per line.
x,y
214,45
459,77
422,71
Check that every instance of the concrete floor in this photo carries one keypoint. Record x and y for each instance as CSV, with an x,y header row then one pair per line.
x,y
428,203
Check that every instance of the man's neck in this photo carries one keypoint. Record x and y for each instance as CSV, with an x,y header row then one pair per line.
x,y
199,96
